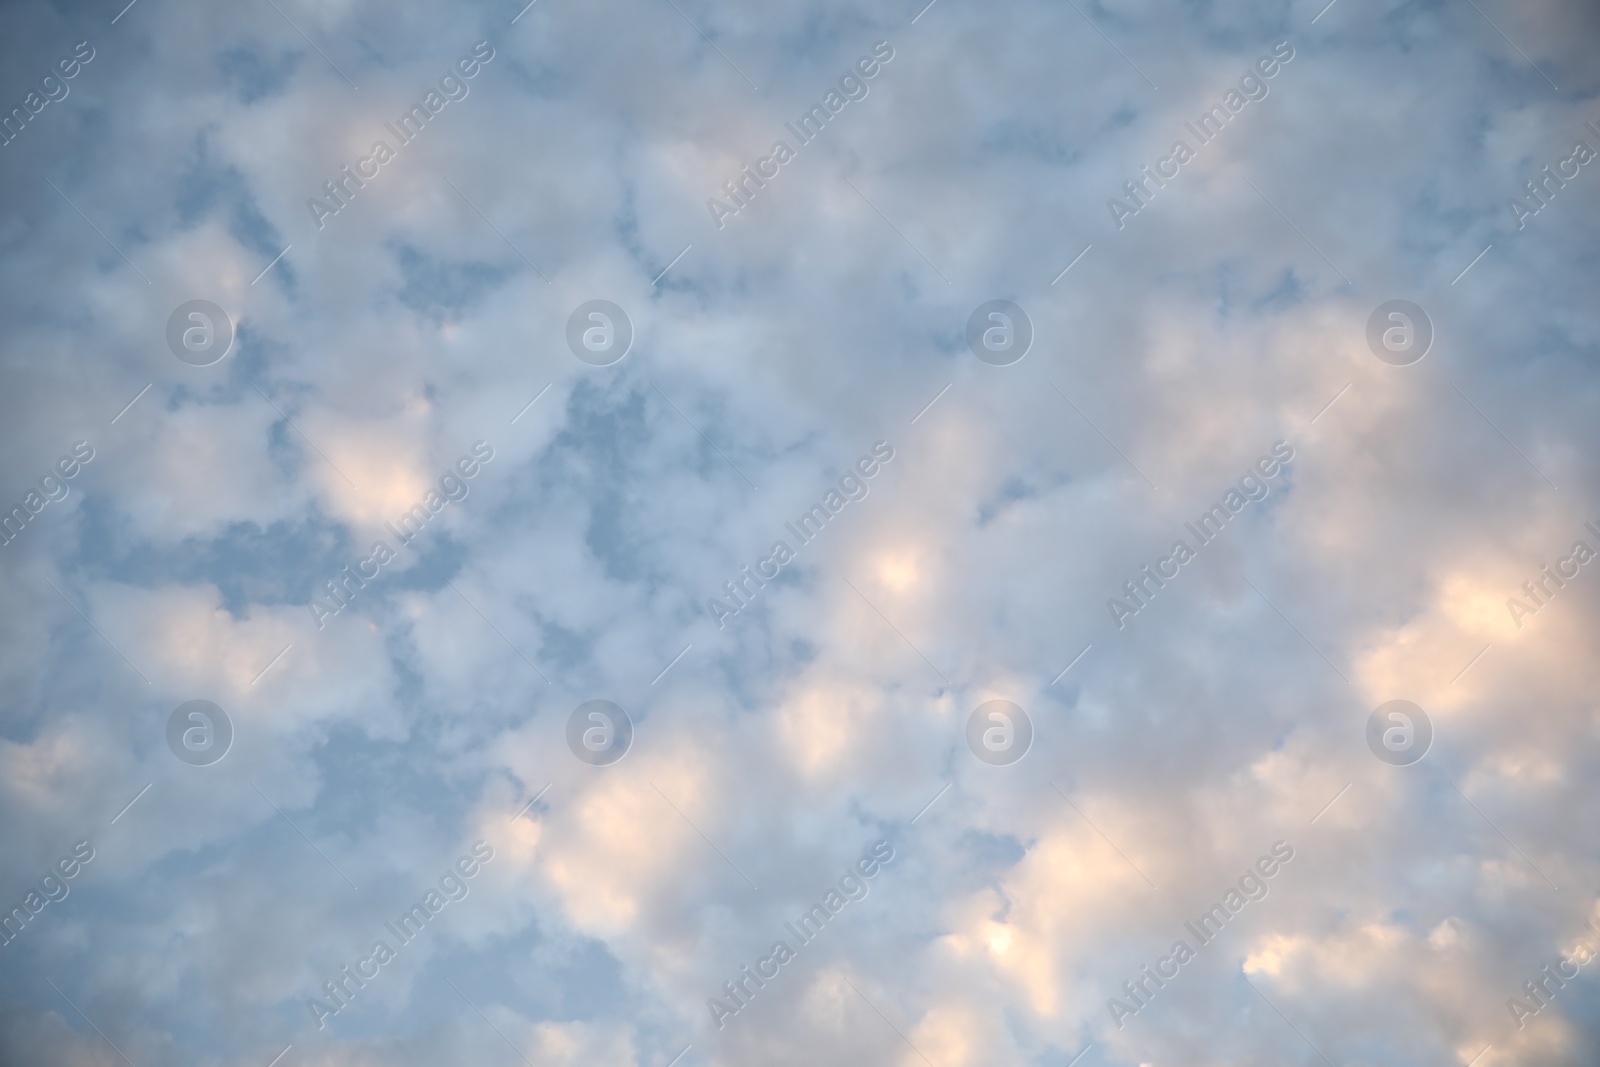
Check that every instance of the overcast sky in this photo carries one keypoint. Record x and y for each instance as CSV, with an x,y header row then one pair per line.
x,y
246,347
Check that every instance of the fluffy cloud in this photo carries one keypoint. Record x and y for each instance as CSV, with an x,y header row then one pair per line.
x,y
372,747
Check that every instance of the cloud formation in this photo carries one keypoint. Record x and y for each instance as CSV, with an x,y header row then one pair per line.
x,y
1416,538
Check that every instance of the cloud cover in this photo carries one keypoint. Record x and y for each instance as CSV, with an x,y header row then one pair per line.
x,y
767,356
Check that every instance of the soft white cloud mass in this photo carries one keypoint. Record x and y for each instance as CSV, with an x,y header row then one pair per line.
x,y
799,532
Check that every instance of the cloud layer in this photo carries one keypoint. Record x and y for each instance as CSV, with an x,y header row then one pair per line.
x,y
1193,318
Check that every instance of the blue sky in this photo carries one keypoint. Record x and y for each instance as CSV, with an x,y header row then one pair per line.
x,y
429,317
